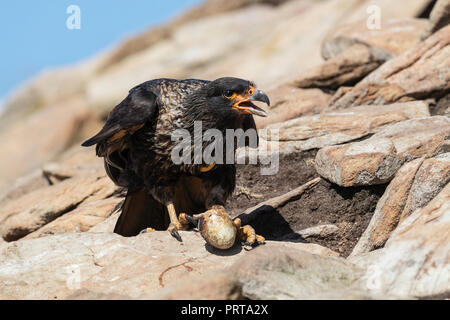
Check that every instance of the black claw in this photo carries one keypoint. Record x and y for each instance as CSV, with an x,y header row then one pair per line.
x,y
249,246
191,220
175,234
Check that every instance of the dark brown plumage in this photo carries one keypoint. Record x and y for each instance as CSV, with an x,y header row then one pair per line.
x,y
136,145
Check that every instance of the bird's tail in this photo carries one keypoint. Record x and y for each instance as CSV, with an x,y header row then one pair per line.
x,y
139,211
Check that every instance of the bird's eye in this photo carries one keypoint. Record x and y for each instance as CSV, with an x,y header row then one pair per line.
x,y
228,94
250,91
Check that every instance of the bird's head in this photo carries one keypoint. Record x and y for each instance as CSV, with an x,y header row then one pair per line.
x,y
233,95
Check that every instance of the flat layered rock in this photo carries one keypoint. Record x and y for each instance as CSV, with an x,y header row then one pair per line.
x,y
321,231
28,144
56,267
35,209
415,260
288,274
420,72
439,17
354,50
414,186
336,127
87,215
394,37
377,159
289,102
23,185
347,67
389,208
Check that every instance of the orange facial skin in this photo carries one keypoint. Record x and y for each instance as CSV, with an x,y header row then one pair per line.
x,y
240,98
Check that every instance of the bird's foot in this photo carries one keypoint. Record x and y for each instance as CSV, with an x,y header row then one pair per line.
x,y
247,235
147,230
173,230
186,220
181,224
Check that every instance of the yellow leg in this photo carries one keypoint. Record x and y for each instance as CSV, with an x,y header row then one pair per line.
x,y
247,234
175,224
146,230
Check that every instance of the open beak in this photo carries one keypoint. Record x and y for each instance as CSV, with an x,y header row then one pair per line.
x,y
247,106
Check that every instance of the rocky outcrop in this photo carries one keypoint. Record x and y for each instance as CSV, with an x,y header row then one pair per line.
x,y
415,261
418,73
372,120
82,219
34,210
289,102
65,122
345,68
439,17
138,267
354,50
76,182
245,44
415,184
337,127
377,159
287,274
394,37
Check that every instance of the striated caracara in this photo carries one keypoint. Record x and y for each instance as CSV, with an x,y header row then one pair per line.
x,y
136,143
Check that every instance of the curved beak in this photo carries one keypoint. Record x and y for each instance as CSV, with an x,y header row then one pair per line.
x,y
248,107
260,96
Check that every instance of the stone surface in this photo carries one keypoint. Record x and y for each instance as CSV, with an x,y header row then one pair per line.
x,y
38,143
33,210
288,102
55,267
336,127
415,261
269,42
382,120
439,17
394,37
420,72
389,208
56,171
322,231
284,274
215,285
442,106
23,185
347,67
377,159
83,218
359,163
414,186
108,224
270,36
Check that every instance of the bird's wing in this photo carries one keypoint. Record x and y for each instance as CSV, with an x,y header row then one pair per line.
x,y
127,117
137,109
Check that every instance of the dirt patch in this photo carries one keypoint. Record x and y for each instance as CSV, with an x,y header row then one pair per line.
x,y
350,209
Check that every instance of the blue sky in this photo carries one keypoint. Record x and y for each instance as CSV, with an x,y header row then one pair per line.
x,y
34,35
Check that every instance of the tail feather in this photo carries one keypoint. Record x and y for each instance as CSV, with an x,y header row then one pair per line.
x,y
104,134
139,211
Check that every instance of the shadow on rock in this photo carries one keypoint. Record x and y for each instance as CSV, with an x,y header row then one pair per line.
x,y
235,249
